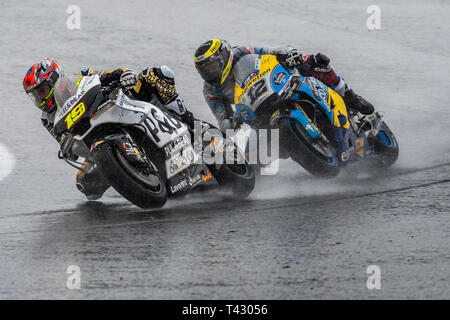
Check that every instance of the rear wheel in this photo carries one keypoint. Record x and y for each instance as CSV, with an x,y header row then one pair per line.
x,y
236,176
386,148
140,185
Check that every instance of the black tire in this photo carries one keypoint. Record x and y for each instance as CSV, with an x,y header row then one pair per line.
x,y
386,148
300,145
128,181
239,177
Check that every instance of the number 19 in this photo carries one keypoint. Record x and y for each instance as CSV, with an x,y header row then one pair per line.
x,y
75,115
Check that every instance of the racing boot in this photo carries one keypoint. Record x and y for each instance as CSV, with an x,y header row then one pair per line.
x,y
90,182
355,101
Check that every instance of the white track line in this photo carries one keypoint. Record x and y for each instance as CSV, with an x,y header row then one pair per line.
x,y
6,162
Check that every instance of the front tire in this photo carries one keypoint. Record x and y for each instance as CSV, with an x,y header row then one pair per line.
x,y
315,156
147,191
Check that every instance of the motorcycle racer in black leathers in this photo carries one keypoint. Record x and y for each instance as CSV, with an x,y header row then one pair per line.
x,y
154,84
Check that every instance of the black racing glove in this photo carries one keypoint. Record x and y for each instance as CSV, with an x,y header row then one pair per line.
x,y
291,59
318,62
127,80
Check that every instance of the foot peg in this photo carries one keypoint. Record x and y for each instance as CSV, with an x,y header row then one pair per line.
x,y
370,123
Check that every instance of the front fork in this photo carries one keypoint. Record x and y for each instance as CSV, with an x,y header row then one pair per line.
x,y
299,115
124,142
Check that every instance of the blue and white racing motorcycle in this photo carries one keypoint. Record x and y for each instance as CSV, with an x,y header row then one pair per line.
x,y
316,128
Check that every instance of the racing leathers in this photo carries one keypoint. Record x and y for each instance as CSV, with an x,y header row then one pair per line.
x,y
220,98
154,84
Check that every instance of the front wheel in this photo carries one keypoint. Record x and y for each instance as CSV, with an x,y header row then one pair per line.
x,y
141,186
315,155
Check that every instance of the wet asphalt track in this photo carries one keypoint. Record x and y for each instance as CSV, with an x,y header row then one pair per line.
x,y
286,248
294,237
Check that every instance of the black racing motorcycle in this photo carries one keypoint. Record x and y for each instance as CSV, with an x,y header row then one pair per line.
x,y
145,152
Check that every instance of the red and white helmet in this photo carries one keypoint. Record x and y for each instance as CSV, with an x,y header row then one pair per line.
x,y
39,83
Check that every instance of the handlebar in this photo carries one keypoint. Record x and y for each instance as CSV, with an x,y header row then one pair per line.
x,y
110,87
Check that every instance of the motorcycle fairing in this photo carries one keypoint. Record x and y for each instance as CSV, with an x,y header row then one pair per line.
x,y
256,87
268,77
350,145
161,127
299,115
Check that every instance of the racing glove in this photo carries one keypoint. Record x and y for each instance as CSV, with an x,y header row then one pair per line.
x,y
318,66
162,79
127,80
291,59
318,62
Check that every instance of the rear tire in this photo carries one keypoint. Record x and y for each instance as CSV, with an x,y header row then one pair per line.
x,y
386,148
239,177
147,192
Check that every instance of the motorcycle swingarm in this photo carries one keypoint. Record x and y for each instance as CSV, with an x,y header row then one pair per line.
x,y
351,147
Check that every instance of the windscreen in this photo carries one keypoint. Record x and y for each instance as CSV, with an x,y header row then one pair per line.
x,y
246,68
65,88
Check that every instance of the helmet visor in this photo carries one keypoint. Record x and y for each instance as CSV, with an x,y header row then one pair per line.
x,y
40,95
211,69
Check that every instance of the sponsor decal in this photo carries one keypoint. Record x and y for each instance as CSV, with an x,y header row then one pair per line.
x,y
244,114
360,147
177,145
257,64
318,89
130,149
161,124
309,128
249,77
348,154
279,78
67,105
181,161
120,99
76,114
196,179
179,186
213,48
251,82
207,176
